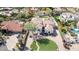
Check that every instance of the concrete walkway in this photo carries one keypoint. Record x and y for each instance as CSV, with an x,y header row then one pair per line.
x,y
29,41
58,38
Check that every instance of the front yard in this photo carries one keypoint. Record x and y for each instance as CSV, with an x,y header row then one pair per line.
x,y
44,45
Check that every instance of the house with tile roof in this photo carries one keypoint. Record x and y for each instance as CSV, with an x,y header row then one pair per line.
x,y
11,26
64,17
44,25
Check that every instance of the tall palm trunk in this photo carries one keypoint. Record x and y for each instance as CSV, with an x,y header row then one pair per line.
x,y
25,40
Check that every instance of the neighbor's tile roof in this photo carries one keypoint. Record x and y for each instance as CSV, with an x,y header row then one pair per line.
x,y
11,26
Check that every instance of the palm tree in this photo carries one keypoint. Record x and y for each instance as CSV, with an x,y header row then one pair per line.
x,y
25,39
22,41
28,27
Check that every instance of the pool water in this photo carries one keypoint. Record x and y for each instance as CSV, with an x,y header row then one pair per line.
x,y
75,30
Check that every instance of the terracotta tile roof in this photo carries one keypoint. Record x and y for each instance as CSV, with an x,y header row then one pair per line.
x,y
11,26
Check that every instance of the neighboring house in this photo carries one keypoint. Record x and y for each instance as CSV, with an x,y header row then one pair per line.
x,y
25,11
7,13
34,9
11,26
15,11
64,17
42,13
45,25
76,16
5,8
58,9
69,16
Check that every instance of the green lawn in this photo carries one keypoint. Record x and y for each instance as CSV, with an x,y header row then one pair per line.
x,y
45,45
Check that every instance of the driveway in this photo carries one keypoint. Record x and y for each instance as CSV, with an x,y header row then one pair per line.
x,y
11,42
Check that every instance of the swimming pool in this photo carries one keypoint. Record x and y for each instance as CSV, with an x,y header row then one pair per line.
x,y
75,30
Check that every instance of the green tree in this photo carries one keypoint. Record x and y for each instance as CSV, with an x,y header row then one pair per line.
x,y
29,26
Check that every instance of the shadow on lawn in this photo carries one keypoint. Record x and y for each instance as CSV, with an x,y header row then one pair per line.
x,y
43,41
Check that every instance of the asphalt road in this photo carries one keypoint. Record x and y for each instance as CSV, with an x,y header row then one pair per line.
x,y
3,48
